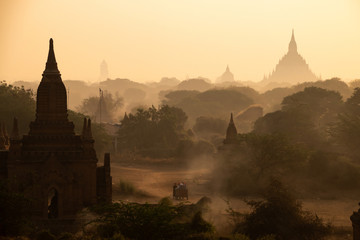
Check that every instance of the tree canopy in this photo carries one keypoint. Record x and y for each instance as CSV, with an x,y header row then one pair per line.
x,y
152,130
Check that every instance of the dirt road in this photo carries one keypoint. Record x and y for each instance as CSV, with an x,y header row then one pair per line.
x,y
157,183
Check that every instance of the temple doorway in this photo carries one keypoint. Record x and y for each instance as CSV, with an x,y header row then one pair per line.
x,y
53,203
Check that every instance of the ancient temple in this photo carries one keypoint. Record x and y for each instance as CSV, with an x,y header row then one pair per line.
x,y
104,72
227,76
292,68
51,165
231,132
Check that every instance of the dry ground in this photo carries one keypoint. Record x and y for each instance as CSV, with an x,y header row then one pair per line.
x,y
157,183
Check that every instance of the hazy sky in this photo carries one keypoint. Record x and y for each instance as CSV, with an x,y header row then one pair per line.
x,y
144,40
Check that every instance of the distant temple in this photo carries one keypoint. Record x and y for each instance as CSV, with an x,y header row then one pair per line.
x,y
231,132
292,68
51,165
227,76
104,71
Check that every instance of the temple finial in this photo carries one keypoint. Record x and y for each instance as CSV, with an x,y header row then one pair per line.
x,y
231,118
51,65
292,44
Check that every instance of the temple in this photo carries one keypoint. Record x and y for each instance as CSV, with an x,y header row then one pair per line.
x,y
51,165
227,76
231,132
292,68
104,72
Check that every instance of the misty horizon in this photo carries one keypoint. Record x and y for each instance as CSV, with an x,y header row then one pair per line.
x,y
181,40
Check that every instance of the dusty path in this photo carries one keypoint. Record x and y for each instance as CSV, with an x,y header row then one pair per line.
x,y
157,182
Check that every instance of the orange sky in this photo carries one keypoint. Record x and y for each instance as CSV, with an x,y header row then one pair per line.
x,y
144,40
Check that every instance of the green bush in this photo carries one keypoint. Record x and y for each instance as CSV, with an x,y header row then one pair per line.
x,y
150,221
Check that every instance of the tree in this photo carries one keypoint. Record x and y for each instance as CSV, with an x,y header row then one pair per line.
x,y
16,102
103,140
346,132
305,116
108,105
210,125
281,215
151,221
211,103
153,131
273,154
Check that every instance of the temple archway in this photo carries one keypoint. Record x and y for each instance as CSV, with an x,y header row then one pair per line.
x,y
53,203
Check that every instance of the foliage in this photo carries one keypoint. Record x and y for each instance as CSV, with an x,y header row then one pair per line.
x,y
273,153
246,167
13,211
108,105
305,117
20,103
334,84
103,141
346,131
16,102
315,101
215,103
158,130
148,221
210,125
281,215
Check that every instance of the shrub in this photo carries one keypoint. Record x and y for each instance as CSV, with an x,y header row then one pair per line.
x,y
150,221
280,215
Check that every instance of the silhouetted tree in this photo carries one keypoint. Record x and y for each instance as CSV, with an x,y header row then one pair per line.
x,y
210,125
155,131
281,215
305,116
108,105
16,102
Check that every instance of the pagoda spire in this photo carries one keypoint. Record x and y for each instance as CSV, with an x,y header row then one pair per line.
x,y
51,64
51,102
292,44
231,132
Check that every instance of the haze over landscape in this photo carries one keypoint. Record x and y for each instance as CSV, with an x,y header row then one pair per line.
x,y
236,120
147,40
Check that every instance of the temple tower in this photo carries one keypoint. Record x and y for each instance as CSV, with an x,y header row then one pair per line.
x,y
227,76
292,67
104,72
292,44
53,166
231,132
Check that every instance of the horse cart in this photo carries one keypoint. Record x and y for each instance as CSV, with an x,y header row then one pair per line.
x,y
180,191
